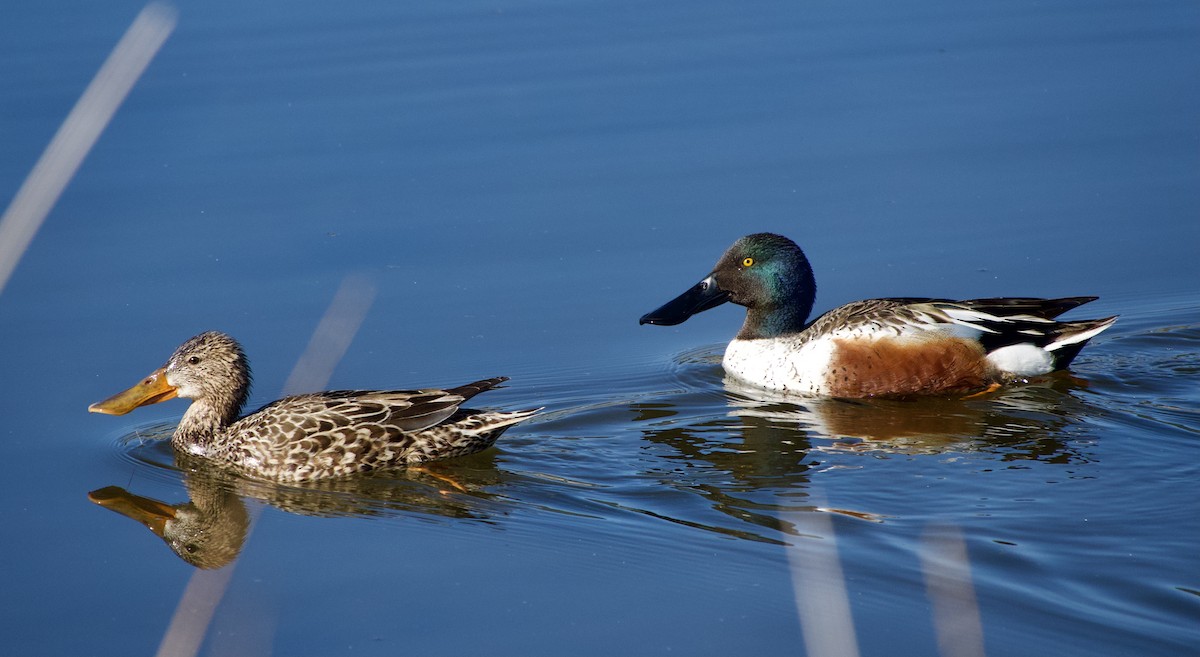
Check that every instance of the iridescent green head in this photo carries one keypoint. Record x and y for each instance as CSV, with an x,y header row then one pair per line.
x,y
766,273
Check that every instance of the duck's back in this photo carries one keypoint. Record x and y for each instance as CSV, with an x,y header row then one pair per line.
x,y
343,432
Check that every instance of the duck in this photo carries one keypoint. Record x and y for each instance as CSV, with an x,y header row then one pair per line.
x,y
890,347
312,436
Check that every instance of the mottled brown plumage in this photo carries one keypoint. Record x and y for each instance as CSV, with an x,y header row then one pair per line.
x,y
311,436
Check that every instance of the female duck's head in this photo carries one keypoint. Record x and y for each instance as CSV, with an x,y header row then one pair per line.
x,y
766,273
210,369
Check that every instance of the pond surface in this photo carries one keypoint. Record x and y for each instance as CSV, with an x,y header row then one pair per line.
x,y
510,185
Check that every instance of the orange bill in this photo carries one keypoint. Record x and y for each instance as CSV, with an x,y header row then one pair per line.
x,y
151,390
151,513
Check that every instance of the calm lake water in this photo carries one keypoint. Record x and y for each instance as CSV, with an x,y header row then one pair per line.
x,y
516,183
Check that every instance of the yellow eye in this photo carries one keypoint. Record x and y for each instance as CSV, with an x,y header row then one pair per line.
x,y
748,262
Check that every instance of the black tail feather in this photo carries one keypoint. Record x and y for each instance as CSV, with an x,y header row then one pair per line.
x,y
1045,308
471,389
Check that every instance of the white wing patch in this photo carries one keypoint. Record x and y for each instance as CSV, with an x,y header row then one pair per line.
x,y
980,319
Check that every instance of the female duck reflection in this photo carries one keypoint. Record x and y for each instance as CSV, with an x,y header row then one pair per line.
x,y
208,531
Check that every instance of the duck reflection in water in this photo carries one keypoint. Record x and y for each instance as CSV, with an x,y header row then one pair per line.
x,y
757,463
209,530
1025,423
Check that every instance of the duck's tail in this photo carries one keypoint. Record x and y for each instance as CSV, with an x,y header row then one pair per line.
x,y
471,389
1022,335
467,432
1070,337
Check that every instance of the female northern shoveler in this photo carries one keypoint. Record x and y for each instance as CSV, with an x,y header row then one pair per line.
x,y
891,347
313,436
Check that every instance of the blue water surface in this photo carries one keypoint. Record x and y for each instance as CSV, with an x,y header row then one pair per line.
x,y
515,183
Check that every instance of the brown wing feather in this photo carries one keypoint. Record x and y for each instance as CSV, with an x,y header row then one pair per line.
x,y
404,410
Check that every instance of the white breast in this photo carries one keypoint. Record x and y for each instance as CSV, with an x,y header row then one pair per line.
x,y
782,364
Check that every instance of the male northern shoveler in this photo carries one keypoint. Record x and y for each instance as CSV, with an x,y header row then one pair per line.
x,y
312,436
891,347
